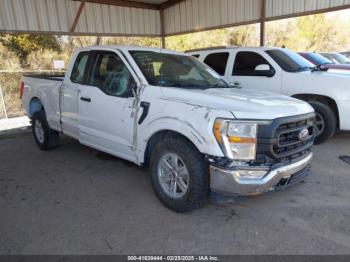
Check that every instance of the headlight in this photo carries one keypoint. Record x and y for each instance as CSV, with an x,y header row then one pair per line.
x,y
237,139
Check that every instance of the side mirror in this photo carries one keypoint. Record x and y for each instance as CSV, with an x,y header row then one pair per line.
x,y
263,67
265,70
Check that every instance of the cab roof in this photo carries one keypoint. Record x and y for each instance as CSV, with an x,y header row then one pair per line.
x,y
127,48
223,48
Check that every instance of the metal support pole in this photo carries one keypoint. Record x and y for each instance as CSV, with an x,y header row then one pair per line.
x,y
262,22
163,42
3,102
162,28
98,40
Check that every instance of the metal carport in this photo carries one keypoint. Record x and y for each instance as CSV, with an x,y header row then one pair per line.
x,y
149,18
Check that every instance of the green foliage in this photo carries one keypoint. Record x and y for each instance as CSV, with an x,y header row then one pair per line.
x,y
9,83
248,35
139,41
310,33
23,45
8,60
43,59
211,38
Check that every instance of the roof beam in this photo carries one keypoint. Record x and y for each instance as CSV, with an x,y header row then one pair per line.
x,y
125,3
169,3
135,4
76,19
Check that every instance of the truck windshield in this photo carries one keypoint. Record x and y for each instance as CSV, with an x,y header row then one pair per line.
x,y
337,58
290,61
164,69
317,59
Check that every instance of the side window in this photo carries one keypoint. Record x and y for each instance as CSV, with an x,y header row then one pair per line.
x,y
251,64
110,74
217,61
79,67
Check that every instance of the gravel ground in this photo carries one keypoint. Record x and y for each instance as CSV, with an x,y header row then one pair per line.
x,y
75,200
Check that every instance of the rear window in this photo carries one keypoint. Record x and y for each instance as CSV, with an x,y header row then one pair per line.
x,y
217,61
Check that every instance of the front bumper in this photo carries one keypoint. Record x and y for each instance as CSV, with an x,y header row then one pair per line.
x,y
226,181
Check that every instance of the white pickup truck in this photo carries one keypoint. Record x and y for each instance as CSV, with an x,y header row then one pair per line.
x,y
282,71
168,111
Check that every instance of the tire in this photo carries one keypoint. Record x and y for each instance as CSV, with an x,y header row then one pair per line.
x,y
326,115
188,159
45,138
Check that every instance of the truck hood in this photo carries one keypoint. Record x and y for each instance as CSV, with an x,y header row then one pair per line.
x,y
243,104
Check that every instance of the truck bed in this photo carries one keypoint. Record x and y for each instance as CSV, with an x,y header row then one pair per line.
x,y
46,89
54,77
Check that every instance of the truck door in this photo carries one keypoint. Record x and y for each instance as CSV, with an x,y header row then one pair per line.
x,y
252,70
105,105
69,95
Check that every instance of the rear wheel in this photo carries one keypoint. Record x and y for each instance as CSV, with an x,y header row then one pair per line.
x,y
44,136
325,123
179,173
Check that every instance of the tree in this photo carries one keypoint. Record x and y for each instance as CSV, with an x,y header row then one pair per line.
x,y
247,35
321,33
23,45
316,33
217,37
8,60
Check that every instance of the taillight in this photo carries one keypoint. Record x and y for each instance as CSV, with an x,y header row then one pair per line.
x,y
21,90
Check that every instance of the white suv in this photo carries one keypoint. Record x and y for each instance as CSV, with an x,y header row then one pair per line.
x,y
282,71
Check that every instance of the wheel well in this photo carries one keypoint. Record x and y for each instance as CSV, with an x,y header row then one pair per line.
x,y
35,105
319,98
156,138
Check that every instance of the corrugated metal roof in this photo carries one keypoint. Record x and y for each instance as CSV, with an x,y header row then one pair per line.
x,y
109,19
280,8
194,15
57,16
38,15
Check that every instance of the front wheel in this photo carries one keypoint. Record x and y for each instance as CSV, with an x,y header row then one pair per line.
x,y
179,174
325,123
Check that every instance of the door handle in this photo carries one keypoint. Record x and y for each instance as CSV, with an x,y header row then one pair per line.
x,y
85,99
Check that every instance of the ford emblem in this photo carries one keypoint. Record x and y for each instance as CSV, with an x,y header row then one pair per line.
x,y
303,134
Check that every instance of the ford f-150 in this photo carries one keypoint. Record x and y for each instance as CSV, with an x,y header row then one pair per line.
x,y
168,112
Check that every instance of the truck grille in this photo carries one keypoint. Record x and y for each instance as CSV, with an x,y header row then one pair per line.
x,y
282,139
289,141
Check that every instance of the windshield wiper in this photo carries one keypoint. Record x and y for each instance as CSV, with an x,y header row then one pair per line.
x,y
222,86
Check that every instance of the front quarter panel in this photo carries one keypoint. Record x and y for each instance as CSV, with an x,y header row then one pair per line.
x,y
193,122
